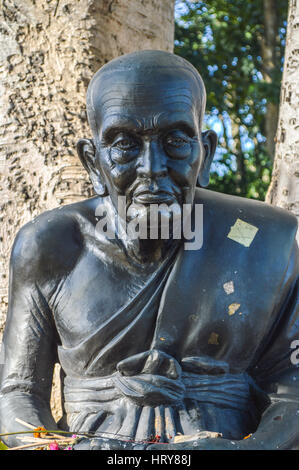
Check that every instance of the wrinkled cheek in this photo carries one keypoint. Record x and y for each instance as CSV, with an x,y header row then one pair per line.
x,y
120,177
123,178
184,172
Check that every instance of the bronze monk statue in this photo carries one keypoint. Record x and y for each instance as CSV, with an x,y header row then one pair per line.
x,y
153,338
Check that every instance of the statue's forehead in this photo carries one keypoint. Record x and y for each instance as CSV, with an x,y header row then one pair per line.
x,y
145,88
144,101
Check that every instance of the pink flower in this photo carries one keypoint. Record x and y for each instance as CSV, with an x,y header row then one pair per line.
x,y
54,446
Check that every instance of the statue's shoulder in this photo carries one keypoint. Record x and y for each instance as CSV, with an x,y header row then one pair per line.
x,y
54,239
275,225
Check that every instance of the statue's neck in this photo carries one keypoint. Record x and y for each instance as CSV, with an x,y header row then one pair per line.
x,y
149,252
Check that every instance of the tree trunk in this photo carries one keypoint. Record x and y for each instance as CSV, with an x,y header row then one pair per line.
x,y
49,50
268,43
284,188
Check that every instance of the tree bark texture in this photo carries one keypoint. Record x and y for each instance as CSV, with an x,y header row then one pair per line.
x,y
269,43
49,50
284,187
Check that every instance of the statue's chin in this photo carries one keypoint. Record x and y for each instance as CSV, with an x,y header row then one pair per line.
x,y
148,237
152,224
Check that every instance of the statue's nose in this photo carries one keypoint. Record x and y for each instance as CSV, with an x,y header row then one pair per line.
x,y
152,161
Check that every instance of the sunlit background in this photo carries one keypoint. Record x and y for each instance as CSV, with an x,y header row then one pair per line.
x,y
238,49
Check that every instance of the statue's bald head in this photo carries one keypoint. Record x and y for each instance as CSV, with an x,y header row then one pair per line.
x,y
139,79
145,110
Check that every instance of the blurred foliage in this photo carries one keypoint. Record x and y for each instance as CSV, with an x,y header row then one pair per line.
x,y
223,40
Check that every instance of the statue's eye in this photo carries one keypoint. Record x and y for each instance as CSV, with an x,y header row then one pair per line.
x,y
177,145
126,143
175,141
124,149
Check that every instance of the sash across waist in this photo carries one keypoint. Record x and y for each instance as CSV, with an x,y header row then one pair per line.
x,y
154,378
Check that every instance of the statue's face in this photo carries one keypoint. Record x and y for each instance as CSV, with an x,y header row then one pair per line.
x,y
148,139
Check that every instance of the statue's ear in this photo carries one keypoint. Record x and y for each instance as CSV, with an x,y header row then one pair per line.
x,y
209,141
87,154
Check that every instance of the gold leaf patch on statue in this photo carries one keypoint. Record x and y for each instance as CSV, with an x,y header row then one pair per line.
x,y
214,338
194,437
229,287
242,232
232,308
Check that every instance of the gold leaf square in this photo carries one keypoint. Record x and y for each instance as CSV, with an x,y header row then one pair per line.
x,y
242,232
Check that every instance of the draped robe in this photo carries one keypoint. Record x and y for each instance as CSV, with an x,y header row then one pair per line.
x,y
174,358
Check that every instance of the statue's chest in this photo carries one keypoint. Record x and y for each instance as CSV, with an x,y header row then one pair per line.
x,y
90,296
193,319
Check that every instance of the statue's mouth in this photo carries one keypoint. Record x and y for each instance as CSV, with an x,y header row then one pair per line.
x,y
157,197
